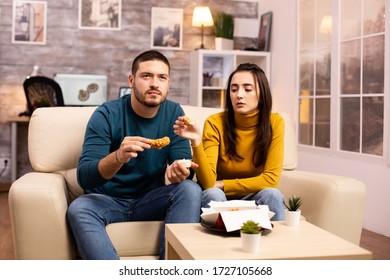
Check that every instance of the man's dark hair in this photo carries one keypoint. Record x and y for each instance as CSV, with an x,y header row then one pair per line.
x,y
148,56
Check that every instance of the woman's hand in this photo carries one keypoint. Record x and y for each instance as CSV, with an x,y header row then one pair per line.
x,y
190,131
218,184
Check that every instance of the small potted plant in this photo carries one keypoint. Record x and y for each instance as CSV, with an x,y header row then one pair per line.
x,y
293,211
224,31
250,236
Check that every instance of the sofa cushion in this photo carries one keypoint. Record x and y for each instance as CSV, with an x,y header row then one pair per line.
x,y
55,137
74,189
290,161
126,238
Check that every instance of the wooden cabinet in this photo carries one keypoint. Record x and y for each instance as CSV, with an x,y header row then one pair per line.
x,y
210,70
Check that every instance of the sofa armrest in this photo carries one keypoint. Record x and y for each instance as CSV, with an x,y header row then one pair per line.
x,y
38,204
334,203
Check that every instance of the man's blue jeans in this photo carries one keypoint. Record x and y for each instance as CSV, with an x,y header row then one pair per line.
x,y
269,196
89,214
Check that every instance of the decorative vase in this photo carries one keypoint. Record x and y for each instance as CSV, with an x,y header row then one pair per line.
x,y
293,217
250,242
223,44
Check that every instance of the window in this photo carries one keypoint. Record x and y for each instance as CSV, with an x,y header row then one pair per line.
x,y
362,76
314,75
358,48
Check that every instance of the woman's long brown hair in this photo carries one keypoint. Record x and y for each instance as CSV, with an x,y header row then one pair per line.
x,y
264,132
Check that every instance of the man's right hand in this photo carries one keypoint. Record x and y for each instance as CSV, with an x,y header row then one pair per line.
x,y
130,147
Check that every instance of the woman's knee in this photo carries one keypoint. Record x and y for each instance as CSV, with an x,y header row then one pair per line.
x,y
212,194
271,194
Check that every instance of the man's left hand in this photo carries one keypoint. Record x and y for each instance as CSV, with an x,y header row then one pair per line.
x,y
177,172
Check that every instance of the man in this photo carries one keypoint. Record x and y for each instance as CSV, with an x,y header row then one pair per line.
x,y
122,175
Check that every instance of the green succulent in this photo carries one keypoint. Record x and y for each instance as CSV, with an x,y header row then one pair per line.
x,y
294,202
224,25
250,227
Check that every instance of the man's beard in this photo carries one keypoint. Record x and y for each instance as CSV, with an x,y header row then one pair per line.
x,y
141,99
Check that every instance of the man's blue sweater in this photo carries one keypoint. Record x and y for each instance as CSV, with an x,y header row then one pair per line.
x,y
108,125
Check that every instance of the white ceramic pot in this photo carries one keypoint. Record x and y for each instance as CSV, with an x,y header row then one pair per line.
x,y
223,44
293,218
250,242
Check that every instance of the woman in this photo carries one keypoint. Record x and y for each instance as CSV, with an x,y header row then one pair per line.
x,y
241,153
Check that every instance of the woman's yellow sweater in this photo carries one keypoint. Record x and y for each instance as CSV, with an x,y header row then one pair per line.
x,y
239,178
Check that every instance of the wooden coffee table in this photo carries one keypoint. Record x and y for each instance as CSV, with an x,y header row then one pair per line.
x,y
194,242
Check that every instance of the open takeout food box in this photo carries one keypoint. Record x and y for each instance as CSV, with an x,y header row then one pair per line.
x,y
230,215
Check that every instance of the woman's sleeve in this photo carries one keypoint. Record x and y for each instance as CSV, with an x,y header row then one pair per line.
x,y
206,154
270,176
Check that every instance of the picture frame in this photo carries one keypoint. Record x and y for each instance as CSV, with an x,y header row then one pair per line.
x,y
100,14
167,28
265,32
124,91
29,22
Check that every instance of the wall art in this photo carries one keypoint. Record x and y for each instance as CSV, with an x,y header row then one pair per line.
x,y
100,14
265,32
167,28
29,22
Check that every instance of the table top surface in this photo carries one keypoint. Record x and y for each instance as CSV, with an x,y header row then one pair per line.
x,y
18,119
307,241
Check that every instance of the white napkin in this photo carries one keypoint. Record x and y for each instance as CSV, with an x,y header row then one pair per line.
x,y
235,212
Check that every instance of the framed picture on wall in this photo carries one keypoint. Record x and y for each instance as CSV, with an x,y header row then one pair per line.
x,y
167,28
265,32
100,14
124,90
29,22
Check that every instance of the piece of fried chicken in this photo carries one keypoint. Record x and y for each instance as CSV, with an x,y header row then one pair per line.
x,y
187,121
160,143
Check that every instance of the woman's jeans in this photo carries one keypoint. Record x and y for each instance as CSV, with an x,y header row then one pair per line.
x,y
89,215
269,196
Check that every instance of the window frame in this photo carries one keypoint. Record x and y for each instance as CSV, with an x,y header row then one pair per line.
x,y
335,94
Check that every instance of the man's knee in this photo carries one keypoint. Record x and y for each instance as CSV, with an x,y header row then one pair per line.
x,y
191,187
190,190
73,208
81,206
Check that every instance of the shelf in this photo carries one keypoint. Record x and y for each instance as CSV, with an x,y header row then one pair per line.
x,y
219,65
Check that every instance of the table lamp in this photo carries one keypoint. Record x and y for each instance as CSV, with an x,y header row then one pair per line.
x,y
202,17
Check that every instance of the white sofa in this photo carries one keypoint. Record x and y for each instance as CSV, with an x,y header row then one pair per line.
x,y
38,201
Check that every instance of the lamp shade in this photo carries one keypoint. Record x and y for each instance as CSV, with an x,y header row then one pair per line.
x,y
202,16
326,24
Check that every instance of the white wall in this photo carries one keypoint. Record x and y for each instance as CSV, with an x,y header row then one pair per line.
x,y
375,173
283,53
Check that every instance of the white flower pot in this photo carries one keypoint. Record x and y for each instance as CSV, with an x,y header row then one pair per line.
x,y
223,44
293,218
250,242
